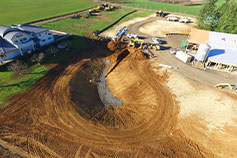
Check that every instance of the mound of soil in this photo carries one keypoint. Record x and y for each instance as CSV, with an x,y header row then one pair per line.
x,y
116,45
48,120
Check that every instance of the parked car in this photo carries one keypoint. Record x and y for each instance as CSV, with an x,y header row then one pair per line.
x,y
131,35
184,20
156,40
173,18
174,50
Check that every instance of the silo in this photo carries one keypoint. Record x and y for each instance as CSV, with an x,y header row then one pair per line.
x,y
202,52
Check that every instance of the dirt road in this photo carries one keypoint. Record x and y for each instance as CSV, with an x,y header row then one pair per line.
x,y
208,77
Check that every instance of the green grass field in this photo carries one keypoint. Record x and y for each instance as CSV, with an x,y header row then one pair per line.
x,y
10,83
22,11
84,27
193,10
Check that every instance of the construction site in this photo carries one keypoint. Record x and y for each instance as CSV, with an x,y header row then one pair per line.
x,y
138,92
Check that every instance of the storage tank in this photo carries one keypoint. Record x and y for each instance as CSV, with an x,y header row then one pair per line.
x,y
202,52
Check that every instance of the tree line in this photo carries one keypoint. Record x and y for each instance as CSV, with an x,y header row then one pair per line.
x,y
219,18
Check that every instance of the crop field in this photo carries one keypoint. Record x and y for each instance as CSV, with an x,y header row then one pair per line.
x,y
18,12
193,10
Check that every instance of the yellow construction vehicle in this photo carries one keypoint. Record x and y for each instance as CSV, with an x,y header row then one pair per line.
x,y
227,85
154,46
132,43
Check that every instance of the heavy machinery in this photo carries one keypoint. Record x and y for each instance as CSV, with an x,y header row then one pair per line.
x,y
76,15
154,46
96,32
133,43
227,85
109,8
121,33
160,13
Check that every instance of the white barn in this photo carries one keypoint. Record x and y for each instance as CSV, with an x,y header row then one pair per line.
x,y
43,34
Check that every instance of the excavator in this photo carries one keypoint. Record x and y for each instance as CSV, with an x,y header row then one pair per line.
x,y
132,43
227,85
154,46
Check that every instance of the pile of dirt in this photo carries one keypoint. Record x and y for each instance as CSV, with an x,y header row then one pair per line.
x,y
5,153
45,121
136,54
116,45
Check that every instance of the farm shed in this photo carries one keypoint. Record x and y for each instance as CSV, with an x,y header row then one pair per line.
x,y
223,48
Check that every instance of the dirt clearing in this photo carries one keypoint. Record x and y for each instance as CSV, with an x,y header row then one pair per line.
x,y
46,122
112,33
206,115
160,28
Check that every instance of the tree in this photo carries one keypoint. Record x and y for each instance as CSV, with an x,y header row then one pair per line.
x,y
208,16
228,21
37,57
17,66
52,50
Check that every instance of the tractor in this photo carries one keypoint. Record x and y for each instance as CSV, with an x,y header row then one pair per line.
x,y
160,13
227,85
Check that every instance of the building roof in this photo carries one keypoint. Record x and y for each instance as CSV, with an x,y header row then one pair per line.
x,y
10,35
5,46
3,29
32,28
198,36
224,56
224,48
222,40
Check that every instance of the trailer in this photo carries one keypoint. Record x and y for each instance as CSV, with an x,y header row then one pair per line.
x,y
183,56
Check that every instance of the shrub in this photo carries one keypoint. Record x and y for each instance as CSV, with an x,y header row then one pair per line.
x,y
17,66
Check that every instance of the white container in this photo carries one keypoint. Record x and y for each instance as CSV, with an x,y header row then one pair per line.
x,y
202,52
183,56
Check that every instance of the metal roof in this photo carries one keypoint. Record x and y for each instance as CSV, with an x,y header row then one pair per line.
x,y
222,40
5,46
223,48
10,35
224,56
3,29
32,28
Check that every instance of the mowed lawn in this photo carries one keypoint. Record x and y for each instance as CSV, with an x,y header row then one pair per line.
x,y
22,11
193,10
84,27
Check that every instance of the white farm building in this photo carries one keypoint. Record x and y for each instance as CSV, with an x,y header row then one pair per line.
x,y
19,39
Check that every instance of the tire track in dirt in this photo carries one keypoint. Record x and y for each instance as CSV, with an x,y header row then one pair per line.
x,y
48,118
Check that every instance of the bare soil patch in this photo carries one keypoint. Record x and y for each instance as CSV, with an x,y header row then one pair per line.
x,y
206,115
112,32
160,28
45,121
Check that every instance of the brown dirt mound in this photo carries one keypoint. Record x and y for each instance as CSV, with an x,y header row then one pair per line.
x,y
116,45
45,122
136,54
